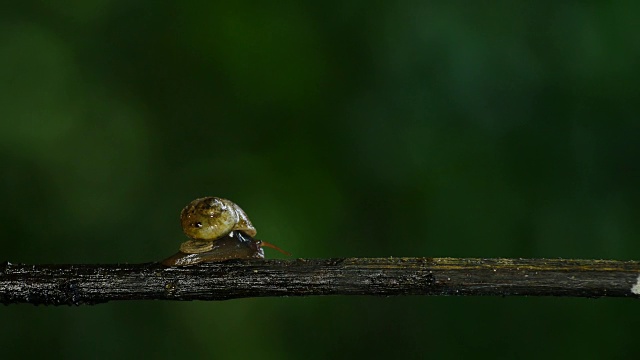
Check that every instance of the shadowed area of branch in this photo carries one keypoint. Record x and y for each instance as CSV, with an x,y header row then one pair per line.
x,y
92,284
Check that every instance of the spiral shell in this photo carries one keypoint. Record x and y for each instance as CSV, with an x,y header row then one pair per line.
x,y
211,218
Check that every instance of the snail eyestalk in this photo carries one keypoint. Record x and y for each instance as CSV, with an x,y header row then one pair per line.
x,y
270,245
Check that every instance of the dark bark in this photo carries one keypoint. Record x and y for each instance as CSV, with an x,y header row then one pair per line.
x,y
92,284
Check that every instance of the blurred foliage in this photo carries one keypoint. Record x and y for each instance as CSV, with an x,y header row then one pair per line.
x,y
398,128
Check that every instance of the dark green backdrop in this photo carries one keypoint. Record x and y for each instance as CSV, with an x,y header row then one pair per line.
x,y
398,128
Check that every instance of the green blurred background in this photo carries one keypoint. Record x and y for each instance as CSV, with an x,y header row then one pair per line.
x,y
398,128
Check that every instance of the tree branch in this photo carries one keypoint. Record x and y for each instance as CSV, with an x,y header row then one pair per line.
x,y
92,284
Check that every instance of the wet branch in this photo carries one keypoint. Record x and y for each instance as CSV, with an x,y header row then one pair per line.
x,y
92,284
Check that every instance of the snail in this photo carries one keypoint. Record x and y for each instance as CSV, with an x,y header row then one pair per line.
x,y
218,230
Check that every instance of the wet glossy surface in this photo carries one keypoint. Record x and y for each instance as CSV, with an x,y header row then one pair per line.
x,y
236,245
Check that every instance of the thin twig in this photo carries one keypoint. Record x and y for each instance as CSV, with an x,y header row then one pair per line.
x,y
92,284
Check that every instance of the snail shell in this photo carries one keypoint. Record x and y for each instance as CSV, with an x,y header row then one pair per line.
x,y
207,219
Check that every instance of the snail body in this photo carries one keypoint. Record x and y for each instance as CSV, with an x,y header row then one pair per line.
x,y
218,230
236,245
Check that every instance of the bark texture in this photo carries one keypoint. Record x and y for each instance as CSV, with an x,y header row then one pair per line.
x,y
93,283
